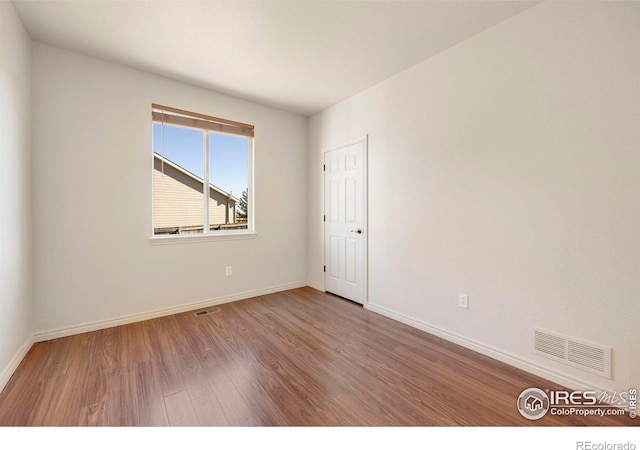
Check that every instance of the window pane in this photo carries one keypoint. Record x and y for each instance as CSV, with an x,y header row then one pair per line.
x,y
229,180
178,192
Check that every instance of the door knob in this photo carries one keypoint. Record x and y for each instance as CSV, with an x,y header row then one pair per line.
x,y
359,231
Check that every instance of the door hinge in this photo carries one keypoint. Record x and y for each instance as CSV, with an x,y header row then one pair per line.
x,y
324,268
324,167
324,218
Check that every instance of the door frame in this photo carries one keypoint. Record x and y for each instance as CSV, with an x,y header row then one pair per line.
x,y
364,140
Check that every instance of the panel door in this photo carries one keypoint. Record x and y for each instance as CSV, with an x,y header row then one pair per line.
x,y
345,242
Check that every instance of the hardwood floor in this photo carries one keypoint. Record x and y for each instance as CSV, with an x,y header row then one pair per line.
x,y
296,358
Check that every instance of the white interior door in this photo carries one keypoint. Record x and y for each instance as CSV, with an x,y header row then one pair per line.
x,y
345,231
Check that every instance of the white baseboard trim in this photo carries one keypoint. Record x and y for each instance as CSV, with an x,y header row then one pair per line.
x,y
8,371
316,286
102,324
492,352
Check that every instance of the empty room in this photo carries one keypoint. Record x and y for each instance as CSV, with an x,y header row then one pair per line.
x,y
320,214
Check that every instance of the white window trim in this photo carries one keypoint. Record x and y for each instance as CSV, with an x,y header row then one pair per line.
x,y
193,238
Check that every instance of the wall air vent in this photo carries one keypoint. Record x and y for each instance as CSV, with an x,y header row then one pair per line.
x,y
593,358
206,312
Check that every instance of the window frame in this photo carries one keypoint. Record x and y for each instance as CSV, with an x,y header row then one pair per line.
x,y
215,126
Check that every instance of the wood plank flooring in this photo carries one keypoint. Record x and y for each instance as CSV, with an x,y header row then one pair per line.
x,y
295,358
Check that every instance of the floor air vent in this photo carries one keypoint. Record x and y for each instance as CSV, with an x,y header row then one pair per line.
x,y
206,312
584,355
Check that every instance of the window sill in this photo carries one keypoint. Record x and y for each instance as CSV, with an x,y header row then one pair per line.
x,y
190,239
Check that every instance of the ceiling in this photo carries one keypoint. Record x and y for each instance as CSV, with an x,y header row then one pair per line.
x,y
301,56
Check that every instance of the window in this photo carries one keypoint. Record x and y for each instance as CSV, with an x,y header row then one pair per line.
x,y
202,174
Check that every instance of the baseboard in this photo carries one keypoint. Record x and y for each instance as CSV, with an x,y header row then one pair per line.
x,y
102,324
8,371
486,350
492,352
316,286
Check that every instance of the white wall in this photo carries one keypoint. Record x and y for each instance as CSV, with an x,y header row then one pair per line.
x,y
514,158
93,258
15,191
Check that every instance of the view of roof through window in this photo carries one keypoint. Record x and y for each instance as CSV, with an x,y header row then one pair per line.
x,y
228,162
180,205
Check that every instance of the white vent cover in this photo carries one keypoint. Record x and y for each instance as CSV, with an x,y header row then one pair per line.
x,y
584,355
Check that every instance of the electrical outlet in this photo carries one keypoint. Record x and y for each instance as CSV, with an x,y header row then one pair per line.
x,y
228,271
463,301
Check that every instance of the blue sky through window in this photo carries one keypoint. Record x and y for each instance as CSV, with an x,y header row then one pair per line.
x,y
228,158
